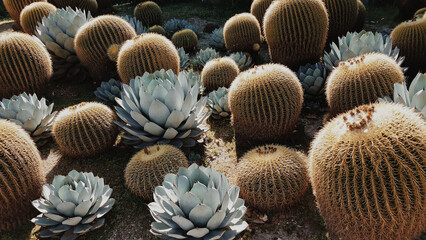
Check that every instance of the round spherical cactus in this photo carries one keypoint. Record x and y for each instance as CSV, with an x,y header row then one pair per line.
x,y
362,12
93,40
219,72
21,179
133,59
85,130
272,177
147,169
149,13
157,29
265,102
32,14
367,169
342,15
242,33
185,38
25,65
258,9
14,7
296,31
361,80
87,5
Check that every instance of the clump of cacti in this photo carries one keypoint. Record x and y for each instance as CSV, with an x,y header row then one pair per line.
x,y
265,102
258,9
136,24
216,39
362,12
343,16
361,80
242,33
296,31
85,130
174,25
219,72
272,177
312,77
21,178
149,13
243,60
108,91
367,169
147,168
205,55
185,38
184,59
133,59
85,5
25,65
157,29
218,102
14,7
34,13
93,40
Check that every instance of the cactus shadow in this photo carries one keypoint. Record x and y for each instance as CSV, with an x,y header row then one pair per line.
x,y
221,128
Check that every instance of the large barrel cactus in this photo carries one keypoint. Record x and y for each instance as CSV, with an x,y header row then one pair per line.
x,y
25,65
14,7
147,169
361,80
87,5
185,38
93,40
34,13
20,175
343,16
367,169
242,33
258,9
148,52
149,13
219,72
265,102
296,31
85,130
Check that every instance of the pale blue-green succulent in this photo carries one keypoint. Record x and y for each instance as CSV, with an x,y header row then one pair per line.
x,y
34,115
243,60
136,24
415,97
108,91
205,55
184,59
197,203
216,39
218,102
174,25
312,77
72,205
162,108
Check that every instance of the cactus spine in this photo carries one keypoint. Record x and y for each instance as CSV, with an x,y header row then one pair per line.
x,y
34,13
185,38
296,31
14,7
242,33
219,72
149,13
343,16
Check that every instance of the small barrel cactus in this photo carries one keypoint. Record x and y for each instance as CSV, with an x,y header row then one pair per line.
x,y
272,177
157,29
149,13
108,91
185,38
362,12
204,206
174,25
296,31
218,102
21,178
162,108
216,39
343,16
205,55
25,65
85,130
84,5
258,9
367,169
242,33
14,7
30,113
361,80
133,59
136,24
34,13
73,205
184,59
147,169
219,72
312,78
243,60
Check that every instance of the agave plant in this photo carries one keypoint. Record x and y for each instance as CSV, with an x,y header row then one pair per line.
x,y
34,115
218,102
162,108
184,58
72,205
197,203
216,39
415,97
174,25
242,59
205,55
108,91
312,77
136,24
355,44
57,32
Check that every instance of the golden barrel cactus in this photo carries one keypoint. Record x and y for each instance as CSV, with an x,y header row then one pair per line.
x,y
32,14
362,13
25,65
149,13
242,33
14,7
157,29
21,179
87,5
148,52
272,177
258,9
219,72
265,102
367,169
361,80
85,130
296,31
185,38
93,40
147,169
342,15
